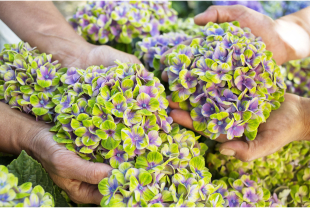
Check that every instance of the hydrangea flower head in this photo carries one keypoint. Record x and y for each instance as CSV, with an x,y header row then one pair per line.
x,y
227,79
122,21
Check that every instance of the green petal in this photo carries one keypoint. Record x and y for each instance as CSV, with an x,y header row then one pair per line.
x,y
145,178
154,157
108,125
39,111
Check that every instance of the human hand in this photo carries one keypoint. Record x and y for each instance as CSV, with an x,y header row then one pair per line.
x,y
77,177
86,54
288,123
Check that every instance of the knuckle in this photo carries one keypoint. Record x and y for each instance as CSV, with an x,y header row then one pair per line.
x,y
93,175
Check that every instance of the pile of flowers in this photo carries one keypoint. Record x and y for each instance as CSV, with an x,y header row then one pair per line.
x,y
227,79
274,170
104,21
245,191
29,80
12,195
152,48
174,174
297,76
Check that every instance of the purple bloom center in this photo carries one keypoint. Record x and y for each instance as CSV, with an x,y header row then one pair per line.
x,y
219,122
199,173
140,187
41,102
222,58
110,133
118,155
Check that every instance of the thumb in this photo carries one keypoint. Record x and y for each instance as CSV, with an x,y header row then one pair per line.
x,y
264,144
71,166
219,14
122,56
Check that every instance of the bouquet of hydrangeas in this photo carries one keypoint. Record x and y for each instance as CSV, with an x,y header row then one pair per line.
x,y
297,76
104,21
12,195
227,79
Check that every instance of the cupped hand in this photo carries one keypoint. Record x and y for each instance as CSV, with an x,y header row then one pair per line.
x,y
288,123
87,54
77,177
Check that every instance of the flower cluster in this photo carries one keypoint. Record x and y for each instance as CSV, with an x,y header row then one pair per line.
x,y
173,174
29,80
152,48
285,171
111,113
122,20
228,80
12,195
245,191
297,76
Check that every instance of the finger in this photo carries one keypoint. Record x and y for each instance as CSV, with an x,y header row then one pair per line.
x,y
163,57
173,105
246,151
70,165
79,192
164,76
219,14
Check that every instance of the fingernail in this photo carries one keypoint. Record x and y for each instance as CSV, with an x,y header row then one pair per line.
x,y
228,152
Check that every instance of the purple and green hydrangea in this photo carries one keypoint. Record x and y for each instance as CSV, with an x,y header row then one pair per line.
x,y
227,79
29,80
24,195
122,21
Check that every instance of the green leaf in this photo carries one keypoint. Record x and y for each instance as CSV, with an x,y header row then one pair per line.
x,y
27,169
